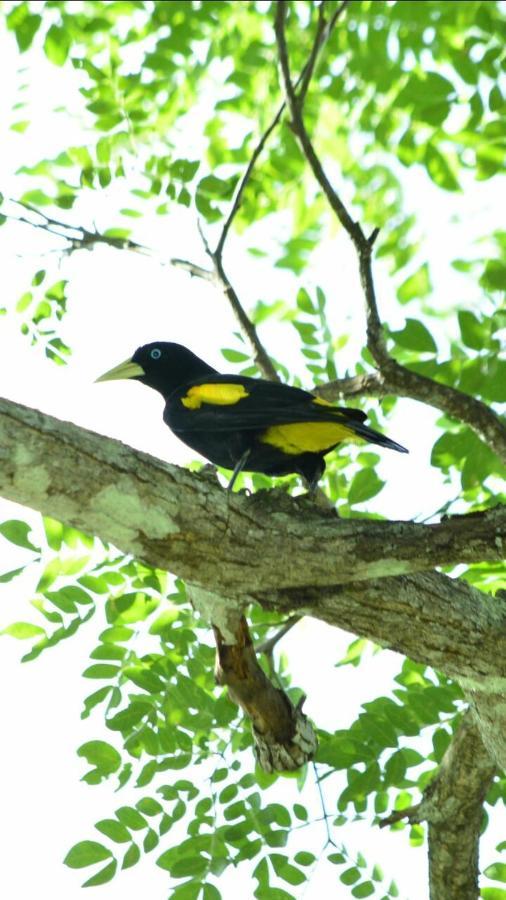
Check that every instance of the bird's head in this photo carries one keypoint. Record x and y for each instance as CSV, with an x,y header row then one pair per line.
x,y
161,365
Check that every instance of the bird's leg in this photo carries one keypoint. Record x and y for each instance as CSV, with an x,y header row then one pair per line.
x,y
238,468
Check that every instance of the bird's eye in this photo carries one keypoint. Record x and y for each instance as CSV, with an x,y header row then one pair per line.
x,y
156,353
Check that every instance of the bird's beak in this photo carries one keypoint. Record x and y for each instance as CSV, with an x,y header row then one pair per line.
x,y
127,369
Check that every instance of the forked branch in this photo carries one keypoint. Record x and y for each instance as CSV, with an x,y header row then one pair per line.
x,y
392,377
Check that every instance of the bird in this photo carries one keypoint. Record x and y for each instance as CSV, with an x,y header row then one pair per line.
x,y
243,423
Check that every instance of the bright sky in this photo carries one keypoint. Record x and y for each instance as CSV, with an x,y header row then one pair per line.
x,y
118,301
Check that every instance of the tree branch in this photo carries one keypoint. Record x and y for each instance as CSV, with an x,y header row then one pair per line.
x,y
452,804
269,644
221,280
284,737
393,377
64,470
323,31
77,236
176,520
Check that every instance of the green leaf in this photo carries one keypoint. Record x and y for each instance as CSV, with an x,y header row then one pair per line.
x,y
131,857
285,870
365,485
415,286
150,841
497,872
8,576
440,170
184,170
36,197
494,275
86,853
24,301
210,892
127,718
235,356
113,830
23,630
57,45
17,533
474,333
131,818
350,876
300,811
304,858
336,858
100,754
365,889
106,874
101,670
144,679
415,336
304,302
149,807
24,24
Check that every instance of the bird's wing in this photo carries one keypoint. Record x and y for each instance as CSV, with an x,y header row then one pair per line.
x,y
236,403
228,401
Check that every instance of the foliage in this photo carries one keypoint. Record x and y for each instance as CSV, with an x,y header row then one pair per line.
x,y
401,87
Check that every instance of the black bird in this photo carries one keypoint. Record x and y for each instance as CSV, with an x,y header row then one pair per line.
x,y
245,423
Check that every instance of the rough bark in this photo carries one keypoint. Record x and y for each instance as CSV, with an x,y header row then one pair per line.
x,y
452,806
429,617
175,520
284,737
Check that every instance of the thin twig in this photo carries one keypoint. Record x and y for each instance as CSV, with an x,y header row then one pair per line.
x,y
325,814
411,813
299,129
81,238
370,384
261,357
323,32
268,645
194,270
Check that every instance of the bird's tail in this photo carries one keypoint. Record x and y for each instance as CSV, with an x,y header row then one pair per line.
x,y
374,437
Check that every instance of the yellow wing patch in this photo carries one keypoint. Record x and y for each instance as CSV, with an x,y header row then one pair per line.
x,y
306,437
217,394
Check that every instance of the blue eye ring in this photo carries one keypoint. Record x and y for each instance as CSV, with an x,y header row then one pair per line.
x,y
156,353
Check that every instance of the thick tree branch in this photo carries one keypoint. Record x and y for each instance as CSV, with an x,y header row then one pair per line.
x,y
452,805
233,544
393,377
431,618
284,738
176,521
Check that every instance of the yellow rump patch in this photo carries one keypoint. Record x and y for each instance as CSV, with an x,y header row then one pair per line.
x,y
322,402
306,437
217,394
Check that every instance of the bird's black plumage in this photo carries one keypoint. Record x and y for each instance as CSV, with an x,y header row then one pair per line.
x,y
245,423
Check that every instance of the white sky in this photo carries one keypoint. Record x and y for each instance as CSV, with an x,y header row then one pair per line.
x,y
118,301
